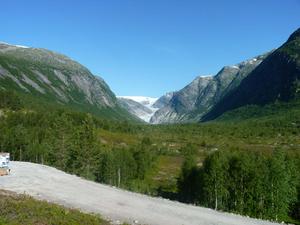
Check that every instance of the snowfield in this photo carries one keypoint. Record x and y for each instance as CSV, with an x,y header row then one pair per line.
x,y
50,184
145,101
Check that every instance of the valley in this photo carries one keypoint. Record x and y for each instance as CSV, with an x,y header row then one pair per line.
x,y
228,142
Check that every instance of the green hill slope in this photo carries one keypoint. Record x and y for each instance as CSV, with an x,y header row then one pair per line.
x,y
42,78
277,78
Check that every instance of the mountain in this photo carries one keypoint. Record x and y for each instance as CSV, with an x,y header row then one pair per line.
x,y
45,76
140,106
163,100
146,101
277,78
193,101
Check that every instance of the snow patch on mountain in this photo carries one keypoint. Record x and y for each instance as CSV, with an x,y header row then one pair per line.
x,y
146,109
146,101
18,46
192,102
206,76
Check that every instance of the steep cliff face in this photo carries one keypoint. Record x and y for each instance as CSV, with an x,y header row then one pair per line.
x,y
276,78
55,78
193,101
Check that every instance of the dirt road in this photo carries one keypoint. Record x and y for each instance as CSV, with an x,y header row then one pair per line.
x,y
50,184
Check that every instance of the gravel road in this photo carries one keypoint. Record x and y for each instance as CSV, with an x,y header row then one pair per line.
x,y
50,184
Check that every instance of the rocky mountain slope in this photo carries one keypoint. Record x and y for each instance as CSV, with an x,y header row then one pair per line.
x,y
163,100
140,106
51,77
277,78
193,101
55,78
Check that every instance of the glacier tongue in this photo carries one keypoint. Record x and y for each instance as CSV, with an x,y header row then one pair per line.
x,y
141,106
146,101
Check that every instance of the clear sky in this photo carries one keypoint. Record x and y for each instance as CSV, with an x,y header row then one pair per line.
x,y
149,47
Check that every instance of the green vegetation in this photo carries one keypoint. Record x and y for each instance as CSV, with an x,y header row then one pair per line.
x,y
275,79
9,100
261,185
251,143
40,66
283,110
23,210
69,141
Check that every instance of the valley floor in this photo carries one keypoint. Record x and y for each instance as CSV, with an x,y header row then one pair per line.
x,y
50,184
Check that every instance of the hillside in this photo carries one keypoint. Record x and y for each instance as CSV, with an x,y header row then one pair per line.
x,y
150,159
174,161
277,78
21,209
150,112
41,76
52,185
197,98
163,100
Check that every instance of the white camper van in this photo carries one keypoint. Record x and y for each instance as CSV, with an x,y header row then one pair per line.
x,y
4,163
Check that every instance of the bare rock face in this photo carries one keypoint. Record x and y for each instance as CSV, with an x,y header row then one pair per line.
x,y
277,78
197,98
55,77
163,100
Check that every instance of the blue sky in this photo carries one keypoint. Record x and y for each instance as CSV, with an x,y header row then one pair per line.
x,y
149,47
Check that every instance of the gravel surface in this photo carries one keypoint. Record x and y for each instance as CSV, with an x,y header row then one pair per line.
x,y
50,184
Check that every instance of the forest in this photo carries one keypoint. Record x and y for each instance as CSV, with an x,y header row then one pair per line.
x,y
256,184
228,165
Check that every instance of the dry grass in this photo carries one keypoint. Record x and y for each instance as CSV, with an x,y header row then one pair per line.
x,y
23,210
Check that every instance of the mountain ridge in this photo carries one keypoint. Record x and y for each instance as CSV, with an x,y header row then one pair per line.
x,y
55,78
195,99
277,78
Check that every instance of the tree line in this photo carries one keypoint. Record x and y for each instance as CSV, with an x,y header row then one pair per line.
x,y
256,184
70,141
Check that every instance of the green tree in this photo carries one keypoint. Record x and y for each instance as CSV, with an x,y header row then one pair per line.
x,y
10,100
282,189
189,187
215,177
